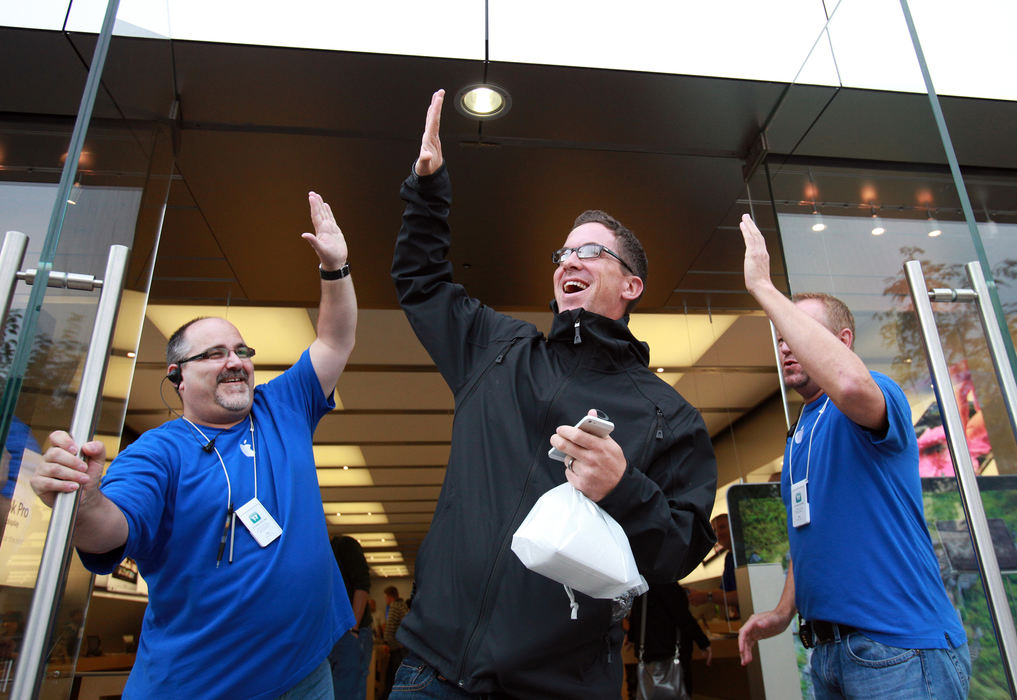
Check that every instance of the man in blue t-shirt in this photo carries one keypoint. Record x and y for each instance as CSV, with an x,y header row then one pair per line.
x,y
221,510
862,573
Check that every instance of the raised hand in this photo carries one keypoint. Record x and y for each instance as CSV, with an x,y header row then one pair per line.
x,y
430,158
327,240
757,260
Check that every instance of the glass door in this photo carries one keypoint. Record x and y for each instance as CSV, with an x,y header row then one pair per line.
x,y
75,181
863,183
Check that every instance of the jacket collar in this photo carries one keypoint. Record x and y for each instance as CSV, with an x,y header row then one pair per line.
x,y
605,334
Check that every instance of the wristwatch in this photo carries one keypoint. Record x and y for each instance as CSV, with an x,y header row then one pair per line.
x,y
343,271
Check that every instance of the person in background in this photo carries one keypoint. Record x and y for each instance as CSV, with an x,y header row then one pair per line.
x,y
668,621
351,655
862,570
395,611
727,595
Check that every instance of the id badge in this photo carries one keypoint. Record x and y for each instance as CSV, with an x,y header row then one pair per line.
x,y
800,504
262,526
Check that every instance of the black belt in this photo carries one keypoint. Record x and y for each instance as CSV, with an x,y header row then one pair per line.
x,y
813,632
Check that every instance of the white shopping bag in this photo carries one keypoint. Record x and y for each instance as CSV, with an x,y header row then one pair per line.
x,y
571,540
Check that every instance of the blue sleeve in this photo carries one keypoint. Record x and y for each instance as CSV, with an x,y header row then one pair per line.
x,y
900,429
138,482
299,388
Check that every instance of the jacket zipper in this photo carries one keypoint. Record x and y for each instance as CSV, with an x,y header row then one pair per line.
x,y
460,681
660,423
497,361
501,356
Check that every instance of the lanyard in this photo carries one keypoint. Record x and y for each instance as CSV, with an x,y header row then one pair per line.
x,y
230,512
791,450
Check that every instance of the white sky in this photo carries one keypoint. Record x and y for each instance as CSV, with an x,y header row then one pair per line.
x,y
968,45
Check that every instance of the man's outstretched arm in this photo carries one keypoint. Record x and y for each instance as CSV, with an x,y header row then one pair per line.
x,y
337,311
824,355
100,526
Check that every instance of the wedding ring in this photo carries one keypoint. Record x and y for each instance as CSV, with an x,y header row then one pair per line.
x,y
568,465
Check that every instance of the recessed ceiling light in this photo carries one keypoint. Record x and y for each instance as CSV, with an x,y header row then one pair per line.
x,y
483,101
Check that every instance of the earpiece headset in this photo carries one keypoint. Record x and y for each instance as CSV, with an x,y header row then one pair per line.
x,y
175,376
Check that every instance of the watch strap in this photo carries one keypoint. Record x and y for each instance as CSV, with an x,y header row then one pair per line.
x,y
343,271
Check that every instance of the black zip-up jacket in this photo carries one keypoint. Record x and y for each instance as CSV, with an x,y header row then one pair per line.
x,y
479,617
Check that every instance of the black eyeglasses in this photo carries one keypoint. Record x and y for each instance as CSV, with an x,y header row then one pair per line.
x,y
587,251
221,352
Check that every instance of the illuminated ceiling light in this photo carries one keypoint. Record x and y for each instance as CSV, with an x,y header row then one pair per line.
x,y
934,230
660,370
483,101
812,192
75,193
375,539
131,354
818,225
877,224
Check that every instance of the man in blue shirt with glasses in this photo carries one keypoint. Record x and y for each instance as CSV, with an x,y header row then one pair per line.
x,y
221,510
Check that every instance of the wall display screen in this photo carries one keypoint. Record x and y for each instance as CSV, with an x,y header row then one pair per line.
x,y
759,534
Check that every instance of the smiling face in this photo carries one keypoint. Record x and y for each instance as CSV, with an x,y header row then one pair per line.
x,y
216,393
601,285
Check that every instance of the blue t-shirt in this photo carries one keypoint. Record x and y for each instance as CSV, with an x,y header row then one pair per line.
x,y
866,558
256,627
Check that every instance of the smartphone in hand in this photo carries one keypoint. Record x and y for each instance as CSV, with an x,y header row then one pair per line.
x,y
590,424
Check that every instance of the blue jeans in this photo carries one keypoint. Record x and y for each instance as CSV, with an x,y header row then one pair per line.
x,y
415,680
856,667
350,659
317,685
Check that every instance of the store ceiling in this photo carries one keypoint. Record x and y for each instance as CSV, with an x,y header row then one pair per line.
x,y
255,128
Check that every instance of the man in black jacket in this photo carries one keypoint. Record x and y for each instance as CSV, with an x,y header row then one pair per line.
x,y
481,623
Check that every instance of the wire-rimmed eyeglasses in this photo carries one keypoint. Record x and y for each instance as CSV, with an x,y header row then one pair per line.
x,y
221,352
587,251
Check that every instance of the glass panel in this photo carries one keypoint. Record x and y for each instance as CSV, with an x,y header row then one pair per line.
x,y
857,190
118,197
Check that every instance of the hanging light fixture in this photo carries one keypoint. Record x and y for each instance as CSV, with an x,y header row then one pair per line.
x,y
992,227
877,224
811,192
75,193
934,230
818,224
483,100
